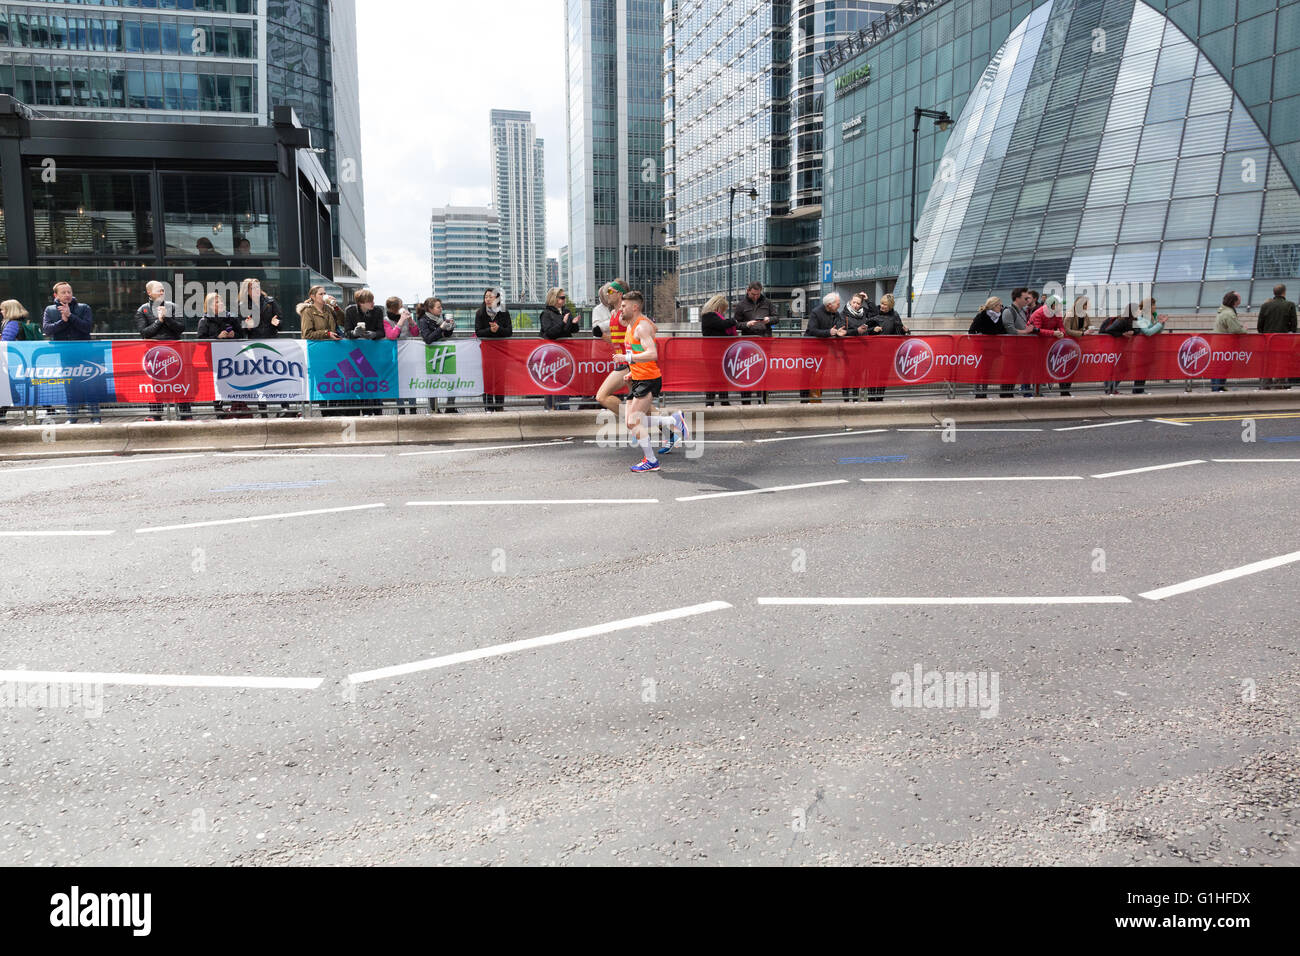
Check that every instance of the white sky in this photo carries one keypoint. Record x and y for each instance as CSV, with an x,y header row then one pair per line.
x,y
430,73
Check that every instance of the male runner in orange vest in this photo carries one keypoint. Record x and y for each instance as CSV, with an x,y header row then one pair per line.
x,y
646,383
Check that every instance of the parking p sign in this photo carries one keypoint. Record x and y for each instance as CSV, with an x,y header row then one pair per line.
x,y
827,271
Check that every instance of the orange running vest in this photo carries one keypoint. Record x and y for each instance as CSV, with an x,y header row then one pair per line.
x,y
642,371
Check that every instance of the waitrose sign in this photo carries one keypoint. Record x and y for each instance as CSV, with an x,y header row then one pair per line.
x,y
853,79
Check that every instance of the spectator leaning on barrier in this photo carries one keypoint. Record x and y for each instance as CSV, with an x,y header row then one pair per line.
x,y
320,316
557,322
885,321
160,321
259,313
988,321
434,326
1077,324
824,322
1276,316
1122,327
68,320
1046,321
714,323
492,321
14,319
363,319
753,313
218,324
856,322
399,324
1226,323
1146,321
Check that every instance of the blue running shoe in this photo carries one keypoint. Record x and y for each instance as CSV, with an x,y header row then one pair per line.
x,y
673,439
680,419
645,464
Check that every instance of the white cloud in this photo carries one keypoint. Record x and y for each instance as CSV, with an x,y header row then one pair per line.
x,y
430,74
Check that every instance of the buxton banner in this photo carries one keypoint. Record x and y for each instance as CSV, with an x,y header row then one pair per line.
x,y
445,369
261,370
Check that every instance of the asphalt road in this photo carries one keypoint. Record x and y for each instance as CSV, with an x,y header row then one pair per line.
x,y
746,729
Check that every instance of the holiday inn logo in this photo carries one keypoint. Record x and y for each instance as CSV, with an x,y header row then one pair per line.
x,y
440,359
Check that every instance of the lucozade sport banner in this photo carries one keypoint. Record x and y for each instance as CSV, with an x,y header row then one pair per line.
x,y
55,372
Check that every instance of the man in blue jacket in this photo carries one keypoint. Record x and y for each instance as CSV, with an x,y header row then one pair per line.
x,y
70,321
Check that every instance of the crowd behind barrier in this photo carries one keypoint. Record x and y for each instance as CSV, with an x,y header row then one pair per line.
x,y
364,356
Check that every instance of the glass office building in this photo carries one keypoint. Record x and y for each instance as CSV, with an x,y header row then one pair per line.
x,y
465,245
743,108
1099,144
519,198
614,60
200,61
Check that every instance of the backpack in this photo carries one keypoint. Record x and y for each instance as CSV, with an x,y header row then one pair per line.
x,y
30,331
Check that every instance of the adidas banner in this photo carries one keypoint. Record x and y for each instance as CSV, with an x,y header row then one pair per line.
x,y
442,370
261,370
352,369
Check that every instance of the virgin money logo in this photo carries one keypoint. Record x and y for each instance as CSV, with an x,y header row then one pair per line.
x,y
163,363
551,368
913,360
1063,359
1194,356
744,364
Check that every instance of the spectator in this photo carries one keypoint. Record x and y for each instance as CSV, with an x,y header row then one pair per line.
x,y
1015,321
206,248
884,321
557,322
320,316
259,313
492,321
1046,321
243,247
1077,324
1226,323
754,314
398,324
856,322
434,327
825,322
259,318
12,329
363,319
1121,327
14,319
68,320
988,321
1277,315
714,323
867,307
217,323
1147,322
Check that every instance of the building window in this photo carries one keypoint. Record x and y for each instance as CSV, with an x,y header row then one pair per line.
x,y
221,209
92,213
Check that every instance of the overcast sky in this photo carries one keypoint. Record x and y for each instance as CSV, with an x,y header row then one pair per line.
x,y
430,73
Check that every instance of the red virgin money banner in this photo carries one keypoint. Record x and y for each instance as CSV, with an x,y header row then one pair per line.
x,y
691,364
163,372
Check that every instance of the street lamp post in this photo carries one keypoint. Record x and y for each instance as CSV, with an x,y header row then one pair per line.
x,y
943,121
731,222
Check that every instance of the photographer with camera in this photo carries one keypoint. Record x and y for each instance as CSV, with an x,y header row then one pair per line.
x,y
434,326
492,321
160,321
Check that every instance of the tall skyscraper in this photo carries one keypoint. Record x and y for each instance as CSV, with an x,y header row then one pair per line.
x,y
744,99
519,198
465,252
615,145
231,63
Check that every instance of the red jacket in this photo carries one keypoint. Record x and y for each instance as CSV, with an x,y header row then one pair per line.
x,y
1045,324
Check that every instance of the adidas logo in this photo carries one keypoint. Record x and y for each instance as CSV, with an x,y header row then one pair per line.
x,y
353,376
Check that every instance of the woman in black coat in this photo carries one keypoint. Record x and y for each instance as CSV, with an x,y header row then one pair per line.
x,y
492,321
987,321
715,322
557,322
884,321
